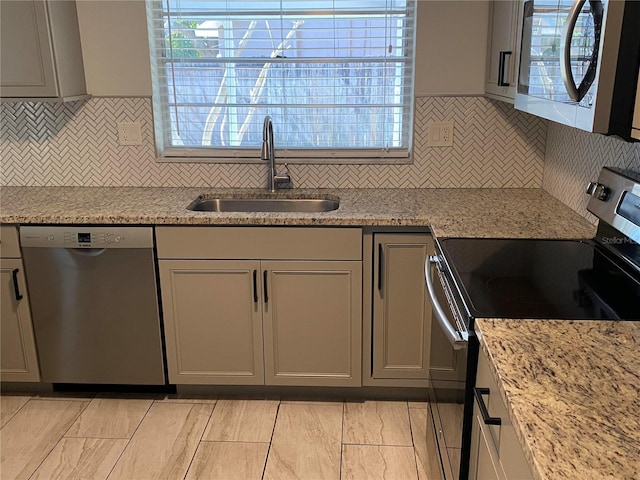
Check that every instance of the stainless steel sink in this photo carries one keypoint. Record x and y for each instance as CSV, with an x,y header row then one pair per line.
x,y
264,204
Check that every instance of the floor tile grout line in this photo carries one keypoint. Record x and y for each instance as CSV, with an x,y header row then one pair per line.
x,y
195,452
235,441
129,441
62,437
275,421
215,405
341,439
378,445
14,413
413,441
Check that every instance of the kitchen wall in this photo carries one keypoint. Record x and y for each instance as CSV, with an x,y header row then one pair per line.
x,y
574,158
76,144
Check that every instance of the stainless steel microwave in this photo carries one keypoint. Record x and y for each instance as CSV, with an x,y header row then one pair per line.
x,y
579,63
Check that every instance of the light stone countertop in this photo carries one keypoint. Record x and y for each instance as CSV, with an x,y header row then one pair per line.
x,y
572,389
506,213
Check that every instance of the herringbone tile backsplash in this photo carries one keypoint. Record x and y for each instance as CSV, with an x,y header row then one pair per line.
x,y
76,144
574,158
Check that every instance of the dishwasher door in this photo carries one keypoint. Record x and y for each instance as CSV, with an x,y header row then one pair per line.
x,y
94,304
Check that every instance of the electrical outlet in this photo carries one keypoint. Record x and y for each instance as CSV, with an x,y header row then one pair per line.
x,y
440,134
129,133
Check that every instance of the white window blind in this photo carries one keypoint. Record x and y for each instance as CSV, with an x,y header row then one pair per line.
x,y
335,76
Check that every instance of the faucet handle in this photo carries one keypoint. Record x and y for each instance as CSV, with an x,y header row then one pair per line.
x,y
283,177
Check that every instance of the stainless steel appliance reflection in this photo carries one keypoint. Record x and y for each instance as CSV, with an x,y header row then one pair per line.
x,y
579,63
529,279
94,304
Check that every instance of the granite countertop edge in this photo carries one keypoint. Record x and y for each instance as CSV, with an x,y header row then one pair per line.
x,y
448,212
592,387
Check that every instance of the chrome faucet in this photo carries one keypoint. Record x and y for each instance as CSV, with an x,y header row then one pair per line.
x,y
268,153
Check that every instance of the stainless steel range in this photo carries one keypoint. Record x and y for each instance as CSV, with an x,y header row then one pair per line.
x,y
535,279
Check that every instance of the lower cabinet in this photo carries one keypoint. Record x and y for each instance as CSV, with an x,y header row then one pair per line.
x,y
312,316
18,356
262,320
397,311
495,450
212,321
401,311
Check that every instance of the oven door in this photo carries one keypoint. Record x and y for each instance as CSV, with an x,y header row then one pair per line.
x,y
447,393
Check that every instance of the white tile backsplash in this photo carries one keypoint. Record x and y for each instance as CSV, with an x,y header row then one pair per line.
x,y
574,158
76,144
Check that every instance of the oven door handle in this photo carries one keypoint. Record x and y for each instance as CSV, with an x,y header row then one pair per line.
x,y
458,340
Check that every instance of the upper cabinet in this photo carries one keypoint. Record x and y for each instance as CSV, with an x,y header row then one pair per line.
x,y
503,50
41,55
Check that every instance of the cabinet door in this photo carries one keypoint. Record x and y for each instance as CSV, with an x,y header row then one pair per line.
x,y
19,361
312,322
502,50
483,465
401,312
27,67
213,322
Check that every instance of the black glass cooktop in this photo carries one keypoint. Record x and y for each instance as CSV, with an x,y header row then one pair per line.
x,y
560,279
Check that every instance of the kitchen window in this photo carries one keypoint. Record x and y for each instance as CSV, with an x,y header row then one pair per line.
x,y
336,77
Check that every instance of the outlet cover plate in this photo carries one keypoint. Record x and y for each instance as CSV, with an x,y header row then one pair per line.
x,y
129,133
440,134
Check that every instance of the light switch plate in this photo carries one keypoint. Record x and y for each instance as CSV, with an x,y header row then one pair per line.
x,y
440,134
129,133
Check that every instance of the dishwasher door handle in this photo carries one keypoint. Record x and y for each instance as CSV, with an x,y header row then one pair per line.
x,y
458,340
88,252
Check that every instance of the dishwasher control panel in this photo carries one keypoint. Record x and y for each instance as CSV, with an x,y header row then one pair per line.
x,y
86,237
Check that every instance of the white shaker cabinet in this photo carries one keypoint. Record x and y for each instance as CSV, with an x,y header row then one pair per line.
x,y
401,309
19,360
262,305
41,54
213,322
503,49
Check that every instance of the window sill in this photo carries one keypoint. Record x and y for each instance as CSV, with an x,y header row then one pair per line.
x,y
291,161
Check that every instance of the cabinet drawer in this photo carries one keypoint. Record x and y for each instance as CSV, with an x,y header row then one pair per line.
x,y
253,243
9,242
503,436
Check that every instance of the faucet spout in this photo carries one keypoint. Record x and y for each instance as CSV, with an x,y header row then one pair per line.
x,y
268,153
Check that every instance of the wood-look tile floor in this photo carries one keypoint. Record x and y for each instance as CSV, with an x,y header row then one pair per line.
x,y
159,437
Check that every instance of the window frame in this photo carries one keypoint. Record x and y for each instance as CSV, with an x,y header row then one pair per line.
x,y
251,155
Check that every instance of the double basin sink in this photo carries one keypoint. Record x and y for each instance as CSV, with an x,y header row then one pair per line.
x,y
265,203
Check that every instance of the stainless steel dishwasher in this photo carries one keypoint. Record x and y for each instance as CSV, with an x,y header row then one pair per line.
x,y
94,304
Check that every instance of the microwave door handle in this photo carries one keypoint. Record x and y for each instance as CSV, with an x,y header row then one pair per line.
x,y
565,58
454,337
577,93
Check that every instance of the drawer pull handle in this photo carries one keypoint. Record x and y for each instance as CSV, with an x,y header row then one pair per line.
x,y
16,287
264,278
478,393
255,286
380,249
501,64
